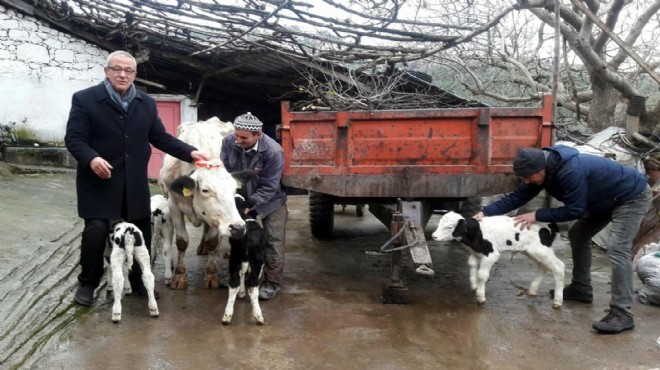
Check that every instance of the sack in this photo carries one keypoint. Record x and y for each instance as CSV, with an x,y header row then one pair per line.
x,y
648,271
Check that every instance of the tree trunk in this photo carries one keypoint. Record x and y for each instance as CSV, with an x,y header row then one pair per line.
x,y
603,106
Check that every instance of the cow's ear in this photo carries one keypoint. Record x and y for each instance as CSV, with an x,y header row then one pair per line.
x,y
459,230
244,176
184,185
473,229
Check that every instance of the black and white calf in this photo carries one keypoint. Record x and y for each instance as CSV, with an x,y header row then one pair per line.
x,y
246,262
163,233
127,243
486,240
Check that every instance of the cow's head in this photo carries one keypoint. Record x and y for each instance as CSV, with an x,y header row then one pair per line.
x,y
212,193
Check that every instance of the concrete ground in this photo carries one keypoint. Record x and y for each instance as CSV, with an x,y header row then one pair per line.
x,y
329,315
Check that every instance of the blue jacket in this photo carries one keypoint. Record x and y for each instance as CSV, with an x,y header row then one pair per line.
x,y
265,189
585,183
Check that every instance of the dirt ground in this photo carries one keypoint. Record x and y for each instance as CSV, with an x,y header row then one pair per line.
x,y
329,315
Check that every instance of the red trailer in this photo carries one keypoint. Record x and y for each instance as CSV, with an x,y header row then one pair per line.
x,y
406,163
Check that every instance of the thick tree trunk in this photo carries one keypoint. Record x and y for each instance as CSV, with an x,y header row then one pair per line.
x,y
650,121
603,106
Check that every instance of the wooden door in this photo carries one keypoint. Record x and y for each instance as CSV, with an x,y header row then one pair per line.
x,y
170,113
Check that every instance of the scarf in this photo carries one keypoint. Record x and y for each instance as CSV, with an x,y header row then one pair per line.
x,y
122,100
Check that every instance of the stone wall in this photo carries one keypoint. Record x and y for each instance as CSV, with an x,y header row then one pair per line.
x,y
40,69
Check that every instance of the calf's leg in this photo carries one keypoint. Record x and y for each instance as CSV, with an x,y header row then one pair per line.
x,y
142,257
117,258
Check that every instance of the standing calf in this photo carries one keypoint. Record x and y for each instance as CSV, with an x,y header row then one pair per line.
x,y
127,243
163,233
246,262
486,240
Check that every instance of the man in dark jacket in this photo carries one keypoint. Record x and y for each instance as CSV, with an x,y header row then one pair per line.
x,y
595,191
108,132
248,148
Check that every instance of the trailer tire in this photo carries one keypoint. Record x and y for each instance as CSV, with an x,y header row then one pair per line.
x,y
321,215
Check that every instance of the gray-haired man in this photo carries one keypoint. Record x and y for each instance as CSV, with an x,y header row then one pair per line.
x,y
249,148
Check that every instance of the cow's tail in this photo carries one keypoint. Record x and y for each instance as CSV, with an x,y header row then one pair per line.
x,y
129,245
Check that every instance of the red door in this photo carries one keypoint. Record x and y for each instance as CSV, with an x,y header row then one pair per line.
x,y
170,114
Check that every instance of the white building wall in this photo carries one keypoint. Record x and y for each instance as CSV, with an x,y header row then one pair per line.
x,y
40,69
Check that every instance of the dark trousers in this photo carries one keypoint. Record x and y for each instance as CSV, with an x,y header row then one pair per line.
x,y
92,246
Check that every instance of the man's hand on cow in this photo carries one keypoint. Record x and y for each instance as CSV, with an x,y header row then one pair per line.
x,y
479,216
101,167
199,156
525,221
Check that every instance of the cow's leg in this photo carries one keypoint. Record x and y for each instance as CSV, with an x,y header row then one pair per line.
x,y
234,283
245,267
533,290
473,263
252,282
179,280
211,279
142,257
202,248
167,230
156,236
482,275
126,269
229,309
117,258
547,260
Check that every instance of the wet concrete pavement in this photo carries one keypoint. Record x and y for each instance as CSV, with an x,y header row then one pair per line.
x,y
329,315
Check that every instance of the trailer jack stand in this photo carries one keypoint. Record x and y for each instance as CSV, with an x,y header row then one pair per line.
x,y
395,292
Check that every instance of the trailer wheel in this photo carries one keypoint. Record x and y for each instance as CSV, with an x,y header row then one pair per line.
x,y
321,215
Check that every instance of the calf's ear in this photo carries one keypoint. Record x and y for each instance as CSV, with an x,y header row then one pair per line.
x,y
243,176
184,185
459,230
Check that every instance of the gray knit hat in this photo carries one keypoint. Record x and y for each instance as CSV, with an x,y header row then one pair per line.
x,y
248,122
528,161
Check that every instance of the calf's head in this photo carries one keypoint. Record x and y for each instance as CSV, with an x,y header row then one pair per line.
x,y
453,226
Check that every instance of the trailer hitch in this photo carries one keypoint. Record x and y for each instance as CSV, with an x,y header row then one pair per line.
x,y
406,234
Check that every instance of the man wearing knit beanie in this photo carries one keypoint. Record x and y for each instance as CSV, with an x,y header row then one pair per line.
x,y
595,191
248,148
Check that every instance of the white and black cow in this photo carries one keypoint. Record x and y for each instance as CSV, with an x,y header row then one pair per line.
x,y
162,233
488,239
204,194
246,264
127,243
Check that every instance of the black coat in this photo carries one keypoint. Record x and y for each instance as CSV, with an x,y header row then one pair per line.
x,y
99,127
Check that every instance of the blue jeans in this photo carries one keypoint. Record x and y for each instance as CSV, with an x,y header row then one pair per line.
x,y
626,219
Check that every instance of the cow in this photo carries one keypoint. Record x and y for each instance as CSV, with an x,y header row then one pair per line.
x,y
202,192
163,233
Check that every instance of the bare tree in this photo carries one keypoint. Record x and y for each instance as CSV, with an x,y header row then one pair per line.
x,y
495,49
597,74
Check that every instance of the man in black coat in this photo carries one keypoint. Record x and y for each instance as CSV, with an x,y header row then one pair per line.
x,y
109,130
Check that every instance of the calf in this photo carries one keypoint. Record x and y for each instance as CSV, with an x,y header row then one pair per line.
x,y
246,264
127,243
163,232
486,240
